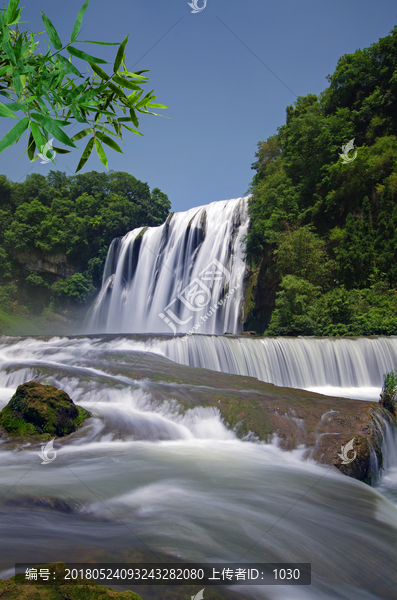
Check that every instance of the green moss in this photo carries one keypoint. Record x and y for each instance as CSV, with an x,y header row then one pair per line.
x,y
41,410
14,589
83,414
141,233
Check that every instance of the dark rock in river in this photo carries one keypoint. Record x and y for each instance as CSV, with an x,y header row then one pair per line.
x,y
37,410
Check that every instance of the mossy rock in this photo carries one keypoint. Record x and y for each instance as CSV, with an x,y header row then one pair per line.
x,y
86,590
37,410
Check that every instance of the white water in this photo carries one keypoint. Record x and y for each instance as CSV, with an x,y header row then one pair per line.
x,y
351,368
140,475
166,280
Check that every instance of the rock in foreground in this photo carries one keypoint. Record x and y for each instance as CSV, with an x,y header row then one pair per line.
x,y
37,410
10,590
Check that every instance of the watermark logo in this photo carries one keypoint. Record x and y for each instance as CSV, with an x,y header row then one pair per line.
x,y
195,8
345,450
346,149
47,148
199,596
196,295
46,450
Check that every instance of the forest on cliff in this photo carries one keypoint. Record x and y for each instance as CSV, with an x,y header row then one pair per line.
x,y
55,232
322,246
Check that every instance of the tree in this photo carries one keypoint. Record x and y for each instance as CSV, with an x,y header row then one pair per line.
x,y
302,253
386,238
50,99
296,310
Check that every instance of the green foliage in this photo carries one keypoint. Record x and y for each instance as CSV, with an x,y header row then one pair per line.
x,y
72,220
295,312
326,223
7,296
302,253
389,391
42,89
76,287
36,280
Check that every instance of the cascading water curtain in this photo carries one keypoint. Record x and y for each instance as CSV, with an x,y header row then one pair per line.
x,y
185,276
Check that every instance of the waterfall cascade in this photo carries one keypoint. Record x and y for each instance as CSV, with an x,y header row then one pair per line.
x,y
183,276
332,366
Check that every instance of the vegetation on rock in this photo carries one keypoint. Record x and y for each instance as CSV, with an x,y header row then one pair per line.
x,y
83,589
388,397
41,410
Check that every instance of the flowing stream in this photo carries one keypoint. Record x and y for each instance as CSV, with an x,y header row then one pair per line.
x,y
140,477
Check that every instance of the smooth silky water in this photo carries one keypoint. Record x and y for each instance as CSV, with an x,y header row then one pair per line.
x,y
142,477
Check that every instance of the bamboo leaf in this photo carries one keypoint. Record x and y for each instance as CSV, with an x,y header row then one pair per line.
x,y
99,71
51,126
14,134
14,106
152,105
125,83
11,10
16,17
101,153
76,114
102,128
100,43
78,21
132,75
9,52
86,154
31,146
52,32
5,69
92,93
18,47
38,137
84,56
119,55
108,141
134,118
6,112
130,129
74,93
61,150
69,66
82,134
17,83
118,91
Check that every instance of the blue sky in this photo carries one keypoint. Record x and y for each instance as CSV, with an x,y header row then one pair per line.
x,y
209,68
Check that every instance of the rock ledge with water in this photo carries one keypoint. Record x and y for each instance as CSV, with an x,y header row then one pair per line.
x,y
40,411
324,426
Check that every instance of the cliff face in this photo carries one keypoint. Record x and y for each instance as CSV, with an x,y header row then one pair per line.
x,y
259,294
54,264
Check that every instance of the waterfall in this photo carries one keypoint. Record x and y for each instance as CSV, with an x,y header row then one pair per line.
x,y
185,276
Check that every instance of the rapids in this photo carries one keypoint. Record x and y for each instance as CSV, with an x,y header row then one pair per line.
x,y
140,477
